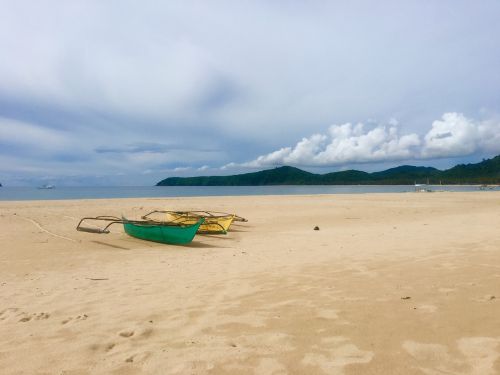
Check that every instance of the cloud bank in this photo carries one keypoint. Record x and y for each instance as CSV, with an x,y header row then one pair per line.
x,y
454,135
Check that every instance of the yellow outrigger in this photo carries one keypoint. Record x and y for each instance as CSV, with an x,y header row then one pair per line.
x,y
214,222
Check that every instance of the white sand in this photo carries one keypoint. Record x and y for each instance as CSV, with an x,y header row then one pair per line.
x,y
271,297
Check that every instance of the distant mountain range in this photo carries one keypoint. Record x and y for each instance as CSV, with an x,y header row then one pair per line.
x,y
485,172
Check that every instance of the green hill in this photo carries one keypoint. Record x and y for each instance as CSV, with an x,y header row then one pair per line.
x,y
485,172
349,177
279,176
407,174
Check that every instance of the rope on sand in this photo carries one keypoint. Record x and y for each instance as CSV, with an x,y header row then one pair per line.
x,y
37,224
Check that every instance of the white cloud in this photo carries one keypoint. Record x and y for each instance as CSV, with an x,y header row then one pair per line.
x,y
182,169
345,143
457,135
454,135
232,165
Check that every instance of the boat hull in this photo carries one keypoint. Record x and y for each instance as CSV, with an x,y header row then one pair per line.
x,y
211,225
168,234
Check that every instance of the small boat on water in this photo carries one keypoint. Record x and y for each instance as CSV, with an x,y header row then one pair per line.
x,y
422,188
46,186
487,187
213,224
149,230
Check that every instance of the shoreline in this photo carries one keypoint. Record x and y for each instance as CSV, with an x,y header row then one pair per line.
x,y
349,194
74,193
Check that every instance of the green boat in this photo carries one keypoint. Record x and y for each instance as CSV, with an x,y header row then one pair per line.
x,y
163,232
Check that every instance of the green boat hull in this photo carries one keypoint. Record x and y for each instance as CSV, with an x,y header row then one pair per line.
x,y
169,234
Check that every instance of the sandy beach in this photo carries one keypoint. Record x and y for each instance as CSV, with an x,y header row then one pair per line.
x,y
391,284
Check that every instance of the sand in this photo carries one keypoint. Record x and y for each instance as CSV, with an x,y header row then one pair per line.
x,y
391,284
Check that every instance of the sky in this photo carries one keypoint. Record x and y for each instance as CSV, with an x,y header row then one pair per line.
x,y
130,92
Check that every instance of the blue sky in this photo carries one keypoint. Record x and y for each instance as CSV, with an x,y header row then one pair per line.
x,y
128,93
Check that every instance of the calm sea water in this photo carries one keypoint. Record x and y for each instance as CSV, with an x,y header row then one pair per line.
x,y
27,193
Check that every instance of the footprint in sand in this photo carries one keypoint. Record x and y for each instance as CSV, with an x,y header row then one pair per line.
x,y
126,333
138,357
102,347
9,313
21,316
37,316
75,319
478,356
486,298
334,354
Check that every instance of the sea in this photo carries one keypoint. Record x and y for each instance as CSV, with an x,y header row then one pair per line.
x,y
61,193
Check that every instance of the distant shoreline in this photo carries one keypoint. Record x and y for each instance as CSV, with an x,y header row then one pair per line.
x,y
486,172
169,192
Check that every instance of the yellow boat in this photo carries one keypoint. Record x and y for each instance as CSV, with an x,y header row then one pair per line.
x,y
212,225
215,214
